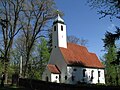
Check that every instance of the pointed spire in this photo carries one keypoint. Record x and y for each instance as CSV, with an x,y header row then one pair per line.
x,y
58,19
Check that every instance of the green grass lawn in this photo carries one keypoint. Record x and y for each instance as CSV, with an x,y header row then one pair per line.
x,y
8,87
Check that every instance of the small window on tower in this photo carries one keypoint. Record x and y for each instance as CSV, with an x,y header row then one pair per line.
x,y
54,28
61,28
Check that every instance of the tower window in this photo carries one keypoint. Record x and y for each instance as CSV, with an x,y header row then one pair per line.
x,y
54,28
61,28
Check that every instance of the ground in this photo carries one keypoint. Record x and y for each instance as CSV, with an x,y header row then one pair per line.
x,y
9,87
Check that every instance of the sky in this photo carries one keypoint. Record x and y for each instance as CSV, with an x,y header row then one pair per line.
x,y
83,22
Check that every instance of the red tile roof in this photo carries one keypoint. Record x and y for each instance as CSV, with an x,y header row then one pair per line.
x,y
53,69
79,55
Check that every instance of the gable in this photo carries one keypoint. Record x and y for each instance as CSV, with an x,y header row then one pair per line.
x,y
79,55
53,69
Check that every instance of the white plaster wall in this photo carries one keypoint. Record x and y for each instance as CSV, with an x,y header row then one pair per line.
x,y
79,75
54,79
62,36
57,58
95,75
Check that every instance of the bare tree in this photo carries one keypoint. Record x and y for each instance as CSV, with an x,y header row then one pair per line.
x,y
9,21
76,40
106,7
37,14
19,48
73,39
83,42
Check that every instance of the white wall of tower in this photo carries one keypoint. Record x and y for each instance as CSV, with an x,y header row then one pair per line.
x,y
59,35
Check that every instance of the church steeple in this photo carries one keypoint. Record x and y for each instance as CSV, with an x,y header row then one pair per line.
x,y
58,19
59,33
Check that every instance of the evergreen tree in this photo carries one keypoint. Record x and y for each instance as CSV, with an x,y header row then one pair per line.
x,y
110,69
112,58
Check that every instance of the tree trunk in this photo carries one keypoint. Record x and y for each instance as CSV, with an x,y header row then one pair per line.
x,y
26,64
6,71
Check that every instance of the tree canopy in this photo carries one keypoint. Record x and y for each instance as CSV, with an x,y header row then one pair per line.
x,y
25,19
109,8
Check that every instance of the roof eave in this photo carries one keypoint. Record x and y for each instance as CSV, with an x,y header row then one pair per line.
x,y
85,66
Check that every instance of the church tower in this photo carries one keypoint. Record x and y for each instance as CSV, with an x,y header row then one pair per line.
x,y
59,38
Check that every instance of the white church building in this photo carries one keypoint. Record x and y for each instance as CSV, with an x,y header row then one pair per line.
x,y
71,63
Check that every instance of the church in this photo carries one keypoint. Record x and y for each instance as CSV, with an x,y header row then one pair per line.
x,y
71,63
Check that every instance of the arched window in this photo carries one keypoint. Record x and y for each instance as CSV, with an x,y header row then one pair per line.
x,y
54,28
98,76
98,73
84,70
61,28
92,75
